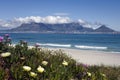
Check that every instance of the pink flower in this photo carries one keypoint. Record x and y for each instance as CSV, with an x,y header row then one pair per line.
x,y
1,39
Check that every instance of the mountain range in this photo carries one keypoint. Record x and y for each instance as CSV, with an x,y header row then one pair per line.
x,y
73,27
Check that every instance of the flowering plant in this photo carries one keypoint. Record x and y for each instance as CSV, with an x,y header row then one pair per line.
x,y
5,42
21,63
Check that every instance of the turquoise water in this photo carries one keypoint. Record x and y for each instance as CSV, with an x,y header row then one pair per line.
x,y
104,42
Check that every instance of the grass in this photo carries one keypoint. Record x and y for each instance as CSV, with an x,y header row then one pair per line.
x,y
47,64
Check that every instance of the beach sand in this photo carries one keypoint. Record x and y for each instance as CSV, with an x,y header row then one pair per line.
x,y
92,57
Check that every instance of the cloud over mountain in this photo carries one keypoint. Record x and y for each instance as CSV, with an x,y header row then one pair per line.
x,y
37,19
51,23
48,20
85,23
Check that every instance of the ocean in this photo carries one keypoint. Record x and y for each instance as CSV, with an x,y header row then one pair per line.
x,y
102,42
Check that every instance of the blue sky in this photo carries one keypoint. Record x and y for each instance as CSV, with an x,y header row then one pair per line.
x,y
103,11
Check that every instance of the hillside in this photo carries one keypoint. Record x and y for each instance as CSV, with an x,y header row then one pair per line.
x,y
103,28
72,27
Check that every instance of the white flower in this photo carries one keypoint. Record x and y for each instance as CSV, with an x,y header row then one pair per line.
x,y
26,68
32,74
22,58
103,75
65,63
40,69
44,63
89,74
5,54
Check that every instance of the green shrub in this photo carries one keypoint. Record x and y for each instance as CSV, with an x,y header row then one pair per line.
x,y
37,63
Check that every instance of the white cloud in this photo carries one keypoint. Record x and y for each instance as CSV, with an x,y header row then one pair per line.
x,y
56,19
4,23
85,23
37,19
81,21
9,23
89,24
28,19
48,19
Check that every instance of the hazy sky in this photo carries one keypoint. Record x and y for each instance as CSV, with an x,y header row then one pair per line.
x,y
103,11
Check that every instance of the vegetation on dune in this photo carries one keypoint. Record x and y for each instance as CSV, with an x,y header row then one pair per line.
x,y
23,63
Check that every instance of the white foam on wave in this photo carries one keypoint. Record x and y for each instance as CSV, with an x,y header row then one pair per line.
x,y
115,52
56,45
90,47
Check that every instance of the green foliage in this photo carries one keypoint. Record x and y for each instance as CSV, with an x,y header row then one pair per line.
x,y
1,74
58,66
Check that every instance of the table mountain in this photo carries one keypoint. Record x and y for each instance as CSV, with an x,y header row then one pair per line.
x,y
43,27
72,27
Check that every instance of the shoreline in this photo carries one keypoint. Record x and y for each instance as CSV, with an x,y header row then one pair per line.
x,y
92,57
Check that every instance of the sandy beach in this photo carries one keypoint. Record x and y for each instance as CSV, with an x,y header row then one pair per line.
x,y
91,57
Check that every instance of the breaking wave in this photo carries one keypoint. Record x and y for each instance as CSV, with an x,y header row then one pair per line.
x,y
56,45
90,47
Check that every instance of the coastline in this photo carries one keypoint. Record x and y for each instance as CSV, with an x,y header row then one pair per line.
x,y
92,57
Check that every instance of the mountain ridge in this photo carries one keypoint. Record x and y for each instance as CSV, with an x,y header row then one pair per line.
x,y
73,27
64,27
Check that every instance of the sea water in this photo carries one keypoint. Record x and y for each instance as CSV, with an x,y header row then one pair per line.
x,y
104,42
